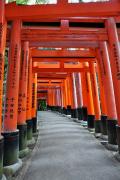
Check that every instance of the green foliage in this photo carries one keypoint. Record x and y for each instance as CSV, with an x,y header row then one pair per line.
x,y
42,1
11,1
42,104
26,1
21,1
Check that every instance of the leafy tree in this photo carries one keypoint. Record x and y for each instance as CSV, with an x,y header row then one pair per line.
x,y
22,1
36,1
27,1
42,1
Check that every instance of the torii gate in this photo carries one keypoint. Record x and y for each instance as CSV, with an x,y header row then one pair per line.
x,y
107,12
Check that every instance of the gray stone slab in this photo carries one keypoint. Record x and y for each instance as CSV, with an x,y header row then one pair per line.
x,y
67,151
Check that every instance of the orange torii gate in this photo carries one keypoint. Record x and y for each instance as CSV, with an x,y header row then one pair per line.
x,y
52,87
104,40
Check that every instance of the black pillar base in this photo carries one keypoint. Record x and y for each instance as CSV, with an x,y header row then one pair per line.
x,y
64,111
34,121
68,110
97,124
112,133
118,137
29,129
59,109
74,113
48,107
52,108
85,113
22,136
11,148
55,108
80,113
104,125
90,121
1,156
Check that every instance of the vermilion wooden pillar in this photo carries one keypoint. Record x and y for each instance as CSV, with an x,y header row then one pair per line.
x,y
68,96
84,94
90,105
34,102
79,95
51,99
106,76
95,94
58,106
3,27
114,52
68,89
29,101
60,99
102,93
63,97
11,134
55,99
74,112
61,94
53,91
102,103
48,101
22,100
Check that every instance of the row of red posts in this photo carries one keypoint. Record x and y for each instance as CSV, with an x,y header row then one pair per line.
x,y
84,83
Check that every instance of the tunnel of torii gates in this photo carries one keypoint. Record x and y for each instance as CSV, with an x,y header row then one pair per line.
x,y
83,83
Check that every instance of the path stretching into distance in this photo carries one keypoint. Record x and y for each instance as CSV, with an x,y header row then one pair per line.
x,y
67,151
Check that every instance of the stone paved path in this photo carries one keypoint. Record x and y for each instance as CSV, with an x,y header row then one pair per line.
x,y
67,151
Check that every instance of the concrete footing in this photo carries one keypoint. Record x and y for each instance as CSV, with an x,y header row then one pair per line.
x,y
104,137
24,152
112,147
3,177
97,135
83,123
31,141
117,156
12,169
